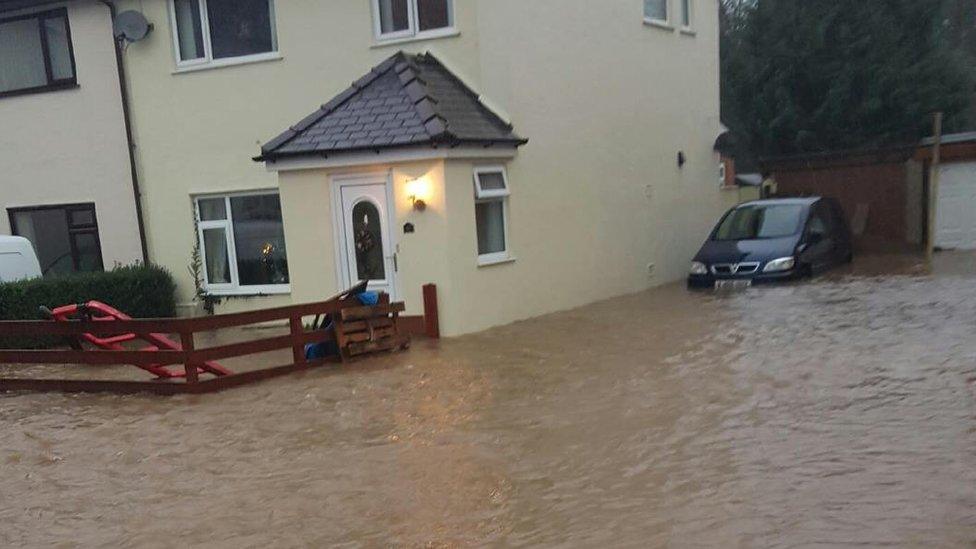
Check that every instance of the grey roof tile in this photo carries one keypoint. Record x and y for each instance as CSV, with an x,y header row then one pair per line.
x,y
435,126
426,109
407,99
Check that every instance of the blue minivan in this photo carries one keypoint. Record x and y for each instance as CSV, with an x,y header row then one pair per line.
x,y
776,239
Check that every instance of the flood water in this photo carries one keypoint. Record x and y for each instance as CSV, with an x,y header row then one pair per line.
x,y
835,413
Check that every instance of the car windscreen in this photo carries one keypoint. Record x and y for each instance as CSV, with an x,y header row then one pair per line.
x,y
760,221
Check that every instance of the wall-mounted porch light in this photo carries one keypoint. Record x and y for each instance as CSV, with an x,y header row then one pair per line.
x,y
418,190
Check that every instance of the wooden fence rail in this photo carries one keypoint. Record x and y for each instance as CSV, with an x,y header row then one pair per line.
x,y
190,356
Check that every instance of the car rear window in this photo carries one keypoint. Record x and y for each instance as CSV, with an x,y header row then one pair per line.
x,y
760,221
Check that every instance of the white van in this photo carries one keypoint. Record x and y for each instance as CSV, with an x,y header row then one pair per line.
x,y
17,259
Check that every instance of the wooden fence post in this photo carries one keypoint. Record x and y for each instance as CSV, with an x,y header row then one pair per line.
x,y
432,324
186,341
297,345
933,191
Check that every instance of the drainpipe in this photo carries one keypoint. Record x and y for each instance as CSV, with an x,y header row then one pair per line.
x,y
934,185
123,90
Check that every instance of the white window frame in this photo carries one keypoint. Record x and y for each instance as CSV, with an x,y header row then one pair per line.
x,y
690,27
227,224
208,60
666,22
412,31
494,195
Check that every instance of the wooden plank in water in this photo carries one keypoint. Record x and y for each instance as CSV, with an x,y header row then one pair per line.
x,y
387,344
379,333
361,325
365,313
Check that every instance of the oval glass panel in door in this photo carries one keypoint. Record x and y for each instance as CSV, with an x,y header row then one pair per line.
x,y
368,237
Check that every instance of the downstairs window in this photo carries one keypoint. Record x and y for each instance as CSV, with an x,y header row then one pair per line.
x,y
491,214
242,244
64,237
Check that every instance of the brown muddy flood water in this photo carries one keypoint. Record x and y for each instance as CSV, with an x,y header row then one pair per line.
x,y
839,412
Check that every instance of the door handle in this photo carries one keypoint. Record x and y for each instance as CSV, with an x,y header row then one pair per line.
x,y
396,267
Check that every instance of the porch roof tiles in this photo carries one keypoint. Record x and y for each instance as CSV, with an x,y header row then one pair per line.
x,y
407,100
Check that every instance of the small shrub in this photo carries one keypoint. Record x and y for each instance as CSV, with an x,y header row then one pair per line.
x,y
139,291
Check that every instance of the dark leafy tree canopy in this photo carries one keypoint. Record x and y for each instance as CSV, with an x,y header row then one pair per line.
x,y
818,75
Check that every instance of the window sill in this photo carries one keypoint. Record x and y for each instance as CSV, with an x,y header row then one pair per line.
x,y
230,62
488,261
430,35
42,89
688,31
250,292
657,23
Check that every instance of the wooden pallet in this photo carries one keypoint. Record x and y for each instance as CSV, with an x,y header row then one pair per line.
x,y
364,330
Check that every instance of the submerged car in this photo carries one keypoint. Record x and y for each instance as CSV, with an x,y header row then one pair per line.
x,y
769,240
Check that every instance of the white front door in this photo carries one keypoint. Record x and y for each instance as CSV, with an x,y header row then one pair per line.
x,y
366,251
956,214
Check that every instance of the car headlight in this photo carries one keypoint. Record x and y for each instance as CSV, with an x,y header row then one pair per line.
x,y
780,265
698,268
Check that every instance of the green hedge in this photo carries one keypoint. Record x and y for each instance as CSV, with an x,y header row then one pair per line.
x,y
141,292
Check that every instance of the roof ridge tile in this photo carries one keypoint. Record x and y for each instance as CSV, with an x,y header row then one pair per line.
x,y
431,58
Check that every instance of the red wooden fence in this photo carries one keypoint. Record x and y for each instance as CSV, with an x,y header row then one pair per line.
x,y
190,356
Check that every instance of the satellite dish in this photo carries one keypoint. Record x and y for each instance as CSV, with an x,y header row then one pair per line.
x,y
131,26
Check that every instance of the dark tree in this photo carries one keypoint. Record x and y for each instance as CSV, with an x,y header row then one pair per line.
x,y
961,22
818,75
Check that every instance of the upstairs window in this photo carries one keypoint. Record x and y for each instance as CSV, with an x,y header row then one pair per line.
x,y
219,31
412,18
687,14
491,194
656,11
35,53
